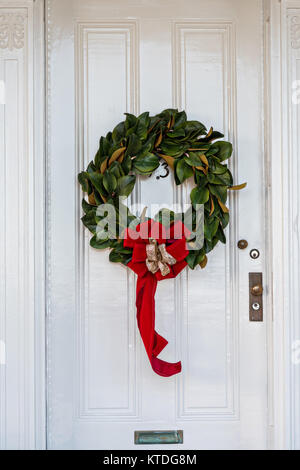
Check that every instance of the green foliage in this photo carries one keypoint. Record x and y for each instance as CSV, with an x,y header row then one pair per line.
x,y
146,164
183,171
137,145
199,195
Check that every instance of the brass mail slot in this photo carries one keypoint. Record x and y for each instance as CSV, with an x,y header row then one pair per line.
x,y
158,437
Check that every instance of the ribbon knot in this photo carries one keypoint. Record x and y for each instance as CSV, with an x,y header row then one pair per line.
x,y
158,258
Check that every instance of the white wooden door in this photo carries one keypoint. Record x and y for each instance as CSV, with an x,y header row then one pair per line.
x,y
105,58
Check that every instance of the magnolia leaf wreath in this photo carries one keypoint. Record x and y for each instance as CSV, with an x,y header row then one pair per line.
x,y
153,249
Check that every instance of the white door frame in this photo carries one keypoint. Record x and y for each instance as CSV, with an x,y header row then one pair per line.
x,y
282,44
281,226
22,239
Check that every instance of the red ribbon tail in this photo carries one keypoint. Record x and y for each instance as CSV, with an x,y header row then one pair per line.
x,y
159,344
153,342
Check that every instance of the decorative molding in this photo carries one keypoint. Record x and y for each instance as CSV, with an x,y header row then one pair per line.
x,y
295,31
21,148
12,30
292,65
39,141
48,222
230,410
283,75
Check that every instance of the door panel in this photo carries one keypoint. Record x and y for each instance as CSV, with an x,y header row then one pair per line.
x,y
113,70
110,57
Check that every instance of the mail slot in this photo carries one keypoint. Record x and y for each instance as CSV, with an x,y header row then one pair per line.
x,y
158,437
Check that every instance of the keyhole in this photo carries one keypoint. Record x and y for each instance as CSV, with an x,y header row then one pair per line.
x,y
254,254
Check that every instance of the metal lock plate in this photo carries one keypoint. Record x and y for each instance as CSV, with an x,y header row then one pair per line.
x,y
255,297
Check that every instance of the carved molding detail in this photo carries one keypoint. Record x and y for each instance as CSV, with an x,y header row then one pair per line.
x,y
295,32
12,30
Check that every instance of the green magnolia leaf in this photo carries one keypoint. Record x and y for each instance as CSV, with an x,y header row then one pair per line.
x,y
176,133
217,168
118,132
98,198
171,148
210,228
87,207
193,159
197,146
115,257
134,145
165,115
104,146
119,246
119,254
191,259
126,185
213,136
224,219
194,258
211,152
97,159
144,119
219,191
180,119
199,195
141,131
97,181
200,178
154,121
183,171
116,170
109,182
224,150
83,179
109,137
126,164
89,221
221,235
147,164
100,244
91,167
130,121
147,147
195,127
209,245
224,179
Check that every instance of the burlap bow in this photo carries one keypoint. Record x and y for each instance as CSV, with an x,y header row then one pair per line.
x,y
158,258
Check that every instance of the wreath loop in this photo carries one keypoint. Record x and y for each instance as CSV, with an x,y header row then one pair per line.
x,y
137,146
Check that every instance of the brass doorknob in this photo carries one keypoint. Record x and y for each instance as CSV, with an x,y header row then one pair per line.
x,y
257,290
242,244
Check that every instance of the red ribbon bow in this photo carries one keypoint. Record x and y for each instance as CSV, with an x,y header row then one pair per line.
x,y
175,240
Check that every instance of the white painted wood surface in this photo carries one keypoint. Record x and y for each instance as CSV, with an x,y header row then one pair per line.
x,y
22,388
207,59
21,207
